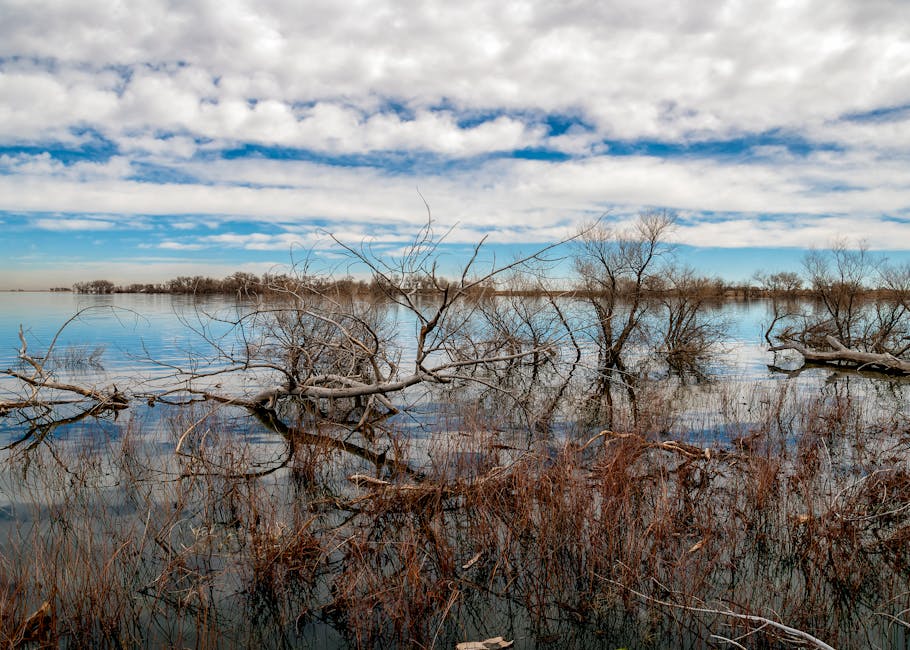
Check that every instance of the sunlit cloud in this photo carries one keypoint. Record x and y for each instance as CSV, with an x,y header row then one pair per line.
x,y
74,224
178,246
256,130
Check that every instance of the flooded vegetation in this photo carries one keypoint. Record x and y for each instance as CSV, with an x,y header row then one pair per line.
x,y
632,463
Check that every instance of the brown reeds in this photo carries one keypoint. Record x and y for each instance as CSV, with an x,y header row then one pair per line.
x,y
797,526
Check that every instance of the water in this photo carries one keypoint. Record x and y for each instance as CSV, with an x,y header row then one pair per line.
x,y
114,476
130,327
143,335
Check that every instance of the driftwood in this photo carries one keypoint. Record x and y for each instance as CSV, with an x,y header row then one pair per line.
x,y
842,355
42,378
110,399
388,489
488,644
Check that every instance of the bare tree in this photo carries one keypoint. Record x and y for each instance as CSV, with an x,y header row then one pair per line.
x,y
781,289
687,333
39,374
342,356
890,322
853,324
526,316
837,278
616,267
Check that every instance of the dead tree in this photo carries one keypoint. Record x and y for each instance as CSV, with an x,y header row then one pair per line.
x,y
42,386
343,357
307,349
853,324
840,355
616,268
837,278
685,333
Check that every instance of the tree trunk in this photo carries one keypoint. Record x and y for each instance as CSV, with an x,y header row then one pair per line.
x,y
842,355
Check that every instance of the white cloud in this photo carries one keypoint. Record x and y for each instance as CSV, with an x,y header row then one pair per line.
x,y
259,241
179,246
520,200
40,164
797,231
73,224
44,165
174,84
635,69
163,149
184,225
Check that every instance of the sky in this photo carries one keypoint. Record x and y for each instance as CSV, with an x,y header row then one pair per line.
x,y
141,141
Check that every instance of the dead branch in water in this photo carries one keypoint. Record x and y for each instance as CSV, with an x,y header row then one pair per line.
x,y
790,633
841,355
43,377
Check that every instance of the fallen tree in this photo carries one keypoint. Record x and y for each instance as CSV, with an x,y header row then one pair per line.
x,y
343,358
309,351
42,387
840,355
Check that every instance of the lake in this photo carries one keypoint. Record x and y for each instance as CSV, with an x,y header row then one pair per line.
x,y
184,521
140,336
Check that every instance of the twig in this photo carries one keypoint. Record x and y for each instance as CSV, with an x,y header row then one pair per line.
x,y
786,629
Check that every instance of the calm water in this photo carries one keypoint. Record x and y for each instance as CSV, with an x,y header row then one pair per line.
x,y
132,327
128,326
140,334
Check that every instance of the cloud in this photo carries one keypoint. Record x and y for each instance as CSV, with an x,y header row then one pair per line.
x,y
258,241
765,123
164,149
43,165
179,246
73,224
319,78
797,231
505,192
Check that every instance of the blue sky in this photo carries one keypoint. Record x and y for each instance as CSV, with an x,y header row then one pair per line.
x,y
142,142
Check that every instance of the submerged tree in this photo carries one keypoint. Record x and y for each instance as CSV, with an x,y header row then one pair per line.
x,y
304,346
641,302
859,316
837,278
686,336
616,269
307,347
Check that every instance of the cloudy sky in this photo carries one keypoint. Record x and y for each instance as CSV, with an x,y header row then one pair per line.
x,y
143,140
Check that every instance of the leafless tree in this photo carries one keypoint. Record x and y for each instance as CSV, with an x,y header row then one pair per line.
x,y
780,288
890,321
344,356
862,314
616,267
310,350
837,278
687,334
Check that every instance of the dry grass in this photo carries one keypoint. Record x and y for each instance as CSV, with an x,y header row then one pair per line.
x,y
803,518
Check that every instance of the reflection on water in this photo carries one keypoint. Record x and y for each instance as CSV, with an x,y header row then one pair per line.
x,y
252,525
140,336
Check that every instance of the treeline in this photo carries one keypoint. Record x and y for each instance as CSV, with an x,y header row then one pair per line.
x,y
248,284
238,283
870,281
275,284
242,284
